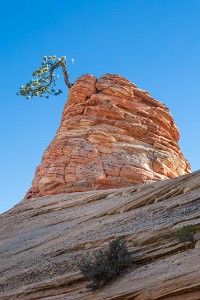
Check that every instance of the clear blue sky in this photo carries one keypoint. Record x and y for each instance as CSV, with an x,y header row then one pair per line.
x,y
153,43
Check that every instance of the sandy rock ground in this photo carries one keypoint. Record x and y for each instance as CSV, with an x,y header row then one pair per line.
x,y
43,239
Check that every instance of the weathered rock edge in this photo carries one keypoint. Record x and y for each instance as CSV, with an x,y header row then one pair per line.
x,y
42,240
112,134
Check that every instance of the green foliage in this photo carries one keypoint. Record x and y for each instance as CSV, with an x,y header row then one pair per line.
x,y
105,265
186,233
45,79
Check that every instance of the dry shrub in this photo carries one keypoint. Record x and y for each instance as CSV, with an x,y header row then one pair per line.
x,y
186,233
106,265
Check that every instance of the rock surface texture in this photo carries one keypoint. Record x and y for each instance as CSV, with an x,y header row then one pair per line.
x,y
112,134
43,239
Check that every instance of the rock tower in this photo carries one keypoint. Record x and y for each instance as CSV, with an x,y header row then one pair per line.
x,y
112,134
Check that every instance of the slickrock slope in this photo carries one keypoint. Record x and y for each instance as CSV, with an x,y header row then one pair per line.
x,y
42,240
112,134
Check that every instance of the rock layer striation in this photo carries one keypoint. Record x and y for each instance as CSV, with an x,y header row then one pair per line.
x,y
112,134
43,240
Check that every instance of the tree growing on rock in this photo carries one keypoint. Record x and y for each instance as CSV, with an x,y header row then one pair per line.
x,y
44,83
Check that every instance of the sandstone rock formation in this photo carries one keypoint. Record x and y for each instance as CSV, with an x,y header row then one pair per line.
x,y
43,239
112,134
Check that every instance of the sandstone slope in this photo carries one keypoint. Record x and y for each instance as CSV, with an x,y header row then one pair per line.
x,y
42,240
112,134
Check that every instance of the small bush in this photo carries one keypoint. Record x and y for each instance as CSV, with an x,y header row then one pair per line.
x,y
105,265
186,233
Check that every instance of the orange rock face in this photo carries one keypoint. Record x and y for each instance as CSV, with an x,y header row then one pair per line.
x,y
112,134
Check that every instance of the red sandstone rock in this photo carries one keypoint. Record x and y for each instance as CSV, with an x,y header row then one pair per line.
x,y
112,134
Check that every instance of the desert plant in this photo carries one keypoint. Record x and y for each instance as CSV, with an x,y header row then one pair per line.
x,y
44,83
186,233
107,264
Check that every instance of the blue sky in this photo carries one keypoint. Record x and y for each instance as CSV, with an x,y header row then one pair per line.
x,y
153,43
